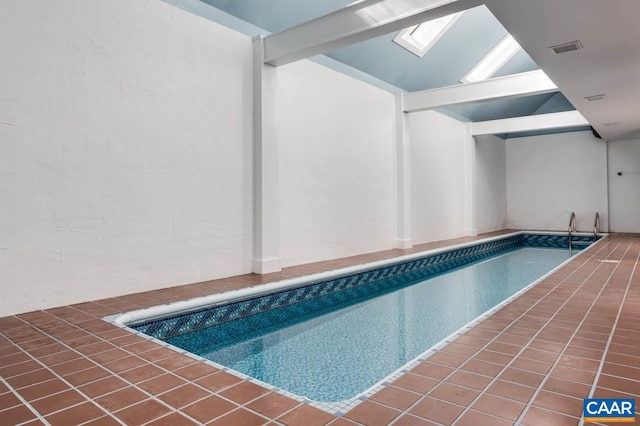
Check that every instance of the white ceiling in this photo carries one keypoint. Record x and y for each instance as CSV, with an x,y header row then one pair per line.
x,y
609,63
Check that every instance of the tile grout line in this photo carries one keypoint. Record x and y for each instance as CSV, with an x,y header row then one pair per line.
x,y
152,396
72,386
45,396
623,377
558,285
24,401
193,383
613,330
77,388
595,300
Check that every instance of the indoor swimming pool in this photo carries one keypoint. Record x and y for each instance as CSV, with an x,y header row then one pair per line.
x,y
333,340
334,351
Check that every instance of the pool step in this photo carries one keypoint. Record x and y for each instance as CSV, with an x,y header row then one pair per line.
x,y
578,243
581,243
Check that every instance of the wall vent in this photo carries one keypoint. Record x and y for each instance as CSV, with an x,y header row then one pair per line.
x,y
566,47
611,123
596,97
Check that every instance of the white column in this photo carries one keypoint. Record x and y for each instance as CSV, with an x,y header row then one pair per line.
x,y
266,221
470,219
403,177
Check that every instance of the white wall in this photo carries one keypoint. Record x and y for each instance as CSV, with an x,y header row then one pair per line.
x,y
491,184
550,176
336,164
437,176
624,190
125,150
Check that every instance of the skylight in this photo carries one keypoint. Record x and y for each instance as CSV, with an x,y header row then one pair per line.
x,y
493,61
418,39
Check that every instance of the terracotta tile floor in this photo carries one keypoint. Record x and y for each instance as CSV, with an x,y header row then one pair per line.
x,y
575,334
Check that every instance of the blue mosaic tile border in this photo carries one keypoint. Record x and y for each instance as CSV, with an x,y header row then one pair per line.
x,y
360,285
556,241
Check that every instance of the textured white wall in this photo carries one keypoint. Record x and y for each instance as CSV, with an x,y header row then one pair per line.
x,y
437,176
624,191
125,150
550,176
491,184
336,164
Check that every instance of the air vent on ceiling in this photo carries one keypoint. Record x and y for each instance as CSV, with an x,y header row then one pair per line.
x,y
566,47
612,123
593,98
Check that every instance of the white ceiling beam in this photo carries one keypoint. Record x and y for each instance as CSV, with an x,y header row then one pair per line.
x,y
511,86
359,21
556,120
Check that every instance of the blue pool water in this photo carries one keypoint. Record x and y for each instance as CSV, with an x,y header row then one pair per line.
x,y
333,347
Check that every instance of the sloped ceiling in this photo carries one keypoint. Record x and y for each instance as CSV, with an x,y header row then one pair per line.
x,y
460,48
609,63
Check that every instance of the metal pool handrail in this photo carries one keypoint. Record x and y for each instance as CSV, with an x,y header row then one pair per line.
x,y
596,227
572,229
572,222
